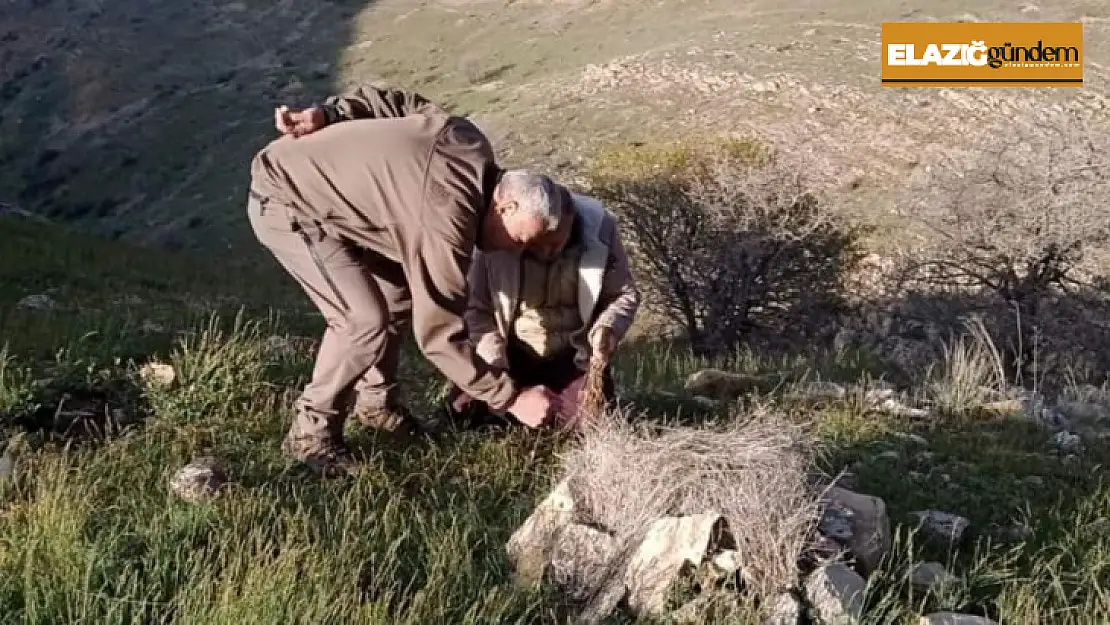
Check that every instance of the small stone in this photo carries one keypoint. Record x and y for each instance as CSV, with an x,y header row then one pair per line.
x,y
36,302
895,408
158,374
953,618
837,594
942,525
913,438
719,384
929,575
201,478
1066,442
727,561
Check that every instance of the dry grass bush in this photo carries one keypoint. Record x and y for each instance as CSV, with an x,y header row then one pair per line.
x,y
753,471
730,240
1015,228
972,372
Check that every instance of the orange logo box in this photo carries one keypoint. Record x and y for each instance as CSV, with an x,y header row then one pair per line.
x,y
982,54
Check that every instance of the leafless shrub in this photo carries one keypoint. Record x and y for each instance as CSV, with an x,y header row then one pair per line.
x,y
751,471
1017,224
729,239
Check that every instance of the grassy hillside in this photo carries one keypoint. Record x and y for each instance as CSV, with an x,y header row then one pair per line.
x,y
90,532
139,121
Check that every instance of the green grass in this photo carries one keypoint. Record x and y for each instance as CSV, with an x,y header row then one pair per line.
x,y
89,531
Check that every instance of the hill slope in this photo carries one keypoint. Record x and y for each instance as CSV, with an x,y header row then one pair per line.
x,y
139,120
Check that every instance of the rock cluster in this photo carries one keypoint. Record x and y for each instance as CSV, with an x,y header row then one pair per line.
x,y
599,573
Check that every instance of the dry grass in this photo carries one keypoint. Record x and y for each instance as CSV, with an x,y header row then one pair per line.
x,y
753,471
971,374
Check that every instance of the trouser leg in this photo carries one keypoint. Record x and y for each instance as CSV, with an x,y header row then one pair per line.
x,y
335,277
377,387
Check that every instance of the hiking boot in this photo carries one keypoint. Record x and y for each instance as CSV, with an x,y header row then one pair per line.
x,y
327,456
395,420
398,420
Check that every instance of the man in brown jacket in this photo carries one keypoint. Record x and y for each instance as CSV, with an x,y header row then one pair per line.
x,y
376,218
544,314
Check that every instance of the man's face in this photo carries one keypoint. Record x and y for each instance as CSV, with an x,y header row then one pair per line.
x,y
507,229
548,245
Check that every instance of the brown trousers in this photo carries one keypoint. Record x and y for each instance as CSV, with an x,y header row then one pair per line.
x,y
365,301
558,373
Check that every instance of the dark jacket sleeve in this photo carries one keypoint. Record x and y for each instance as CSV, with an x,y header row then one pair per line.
x,y
376,102
438,262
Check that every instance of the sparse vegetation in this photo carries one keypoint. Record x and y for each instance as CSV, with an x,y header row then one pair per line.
x,y
732,243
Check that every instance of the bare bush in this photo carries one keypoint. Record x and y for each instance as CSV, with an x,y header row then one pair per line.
x,y
729,238
1016,223
751,471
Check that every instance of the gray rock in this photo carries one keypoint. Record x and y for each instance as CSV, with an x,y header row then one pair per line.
x,y
896,408
530,545
837,594
202,478
913,438
1067,442
929,575
36,302
718,384
669,547
953,618
860,523
942,526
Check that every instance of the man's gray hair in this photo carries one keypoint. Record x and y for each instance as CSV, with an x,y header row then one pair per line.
x,y
536,194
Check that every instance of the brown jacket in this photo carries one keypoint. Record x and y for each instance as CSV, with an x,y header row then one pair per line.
x,y
607,293
404,178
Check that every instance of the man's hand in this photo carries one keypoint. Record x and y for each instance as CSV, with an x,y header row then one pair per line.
x,y
534,406
299,123
603,342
